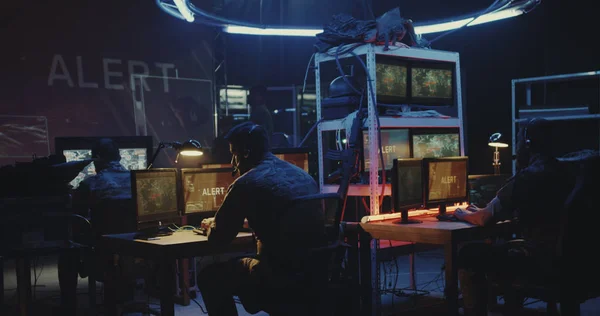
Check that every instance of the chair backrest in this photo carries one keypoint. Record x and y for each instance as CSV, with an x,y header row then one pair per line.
x,y
579,223
280,140
114,216
328,204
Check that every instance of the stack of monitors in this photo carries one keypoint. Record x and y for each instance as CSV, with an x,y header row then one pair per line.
x,y
413,143
429,182
415,83
164,194
134,152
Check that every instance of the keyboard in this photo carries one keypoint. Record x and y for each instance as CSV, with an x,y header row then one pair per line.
x,y
447,218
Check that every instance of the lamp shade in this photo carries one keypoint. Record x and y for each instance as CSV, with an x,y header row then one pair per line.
x,y
191,148
496,141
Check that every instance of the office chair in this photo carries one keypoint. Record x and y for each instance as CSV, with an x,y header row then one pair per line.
x,y
309,295
573,277
280,140
111,216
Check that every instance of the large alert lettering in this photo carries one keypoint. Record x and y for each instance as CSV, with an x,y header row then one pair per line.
x,y
449,179
213,191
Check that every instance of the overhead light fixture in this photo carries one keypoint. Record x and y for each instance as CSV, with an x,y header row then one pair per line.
x,y
448,26
184,10
233,29
419,29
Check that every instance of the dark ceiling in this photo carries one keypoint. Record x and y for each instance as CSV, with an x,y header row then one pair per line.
x,y
558,37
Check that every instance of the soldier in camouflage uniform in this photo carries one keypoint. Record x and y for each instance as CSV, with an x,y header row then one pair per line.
x,y
536,195
111,182
260,194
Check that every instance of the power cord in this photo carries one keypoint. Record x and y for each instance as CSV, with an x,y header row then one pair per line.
x,y
182,228
199,305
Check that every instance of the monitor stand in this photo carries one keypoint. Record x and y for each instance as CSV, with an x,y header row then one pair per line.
x,y
442,209
154,231
405,220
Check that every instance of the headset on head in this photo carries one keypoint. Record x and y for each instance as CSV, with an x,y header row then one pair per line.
x,y
246,149
526,135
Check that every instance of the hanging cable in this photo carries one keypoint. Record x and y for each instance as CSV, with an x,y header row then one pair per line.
x,y
484,12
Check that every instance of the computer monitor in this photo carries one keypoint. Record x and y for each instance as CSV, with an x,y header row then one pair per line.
x,y
394,144
295,156
131,159
204,190
154,193
391,80
435,144
446,181
134,152
432,84
407,186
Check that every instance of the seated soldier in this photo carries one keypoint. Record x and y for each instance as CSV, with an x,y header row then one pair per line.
x,y
535,196
265,186
111,181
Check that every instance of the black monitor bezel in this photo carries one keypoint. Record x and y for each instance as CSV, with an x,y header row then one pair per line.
x,y
409,99
434,203
396,205
449,102
155,217
123,142
294,151
394,61
363,164
433,131
184,172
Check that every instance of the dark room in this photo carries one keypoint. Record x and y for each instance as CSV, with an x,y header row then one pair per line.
x,y
299,157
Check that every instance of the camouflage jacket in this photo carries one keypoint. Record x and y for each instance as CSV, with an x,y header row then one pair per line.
x,y
261,195
113,182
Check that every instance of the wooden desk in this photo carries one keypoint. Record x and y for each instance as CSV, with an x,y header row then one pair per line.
x,y
431,231
164,252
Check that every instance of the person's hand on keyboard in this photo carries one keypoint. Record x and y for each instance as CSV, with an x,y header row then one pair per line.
x,y
207,223
461,213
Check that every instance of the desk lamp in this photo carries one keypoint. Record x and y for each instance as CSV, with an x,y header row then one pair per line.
x,y
191,148
496,142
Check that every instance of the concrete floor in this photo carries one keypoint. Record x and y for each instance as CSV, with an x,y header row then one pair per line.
x,y
429,278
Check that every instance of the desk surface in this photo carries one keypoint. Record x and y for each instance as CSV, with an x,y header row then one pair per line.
x,y
431,230
180,237
179,245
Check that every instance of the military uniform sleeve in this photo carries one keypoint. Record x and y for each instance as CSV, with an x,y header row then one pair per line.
x,y
230,216
512,195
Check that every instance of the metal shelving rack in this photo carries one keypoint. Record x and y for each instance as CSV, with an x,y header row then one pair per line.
x,y
554,114
373,189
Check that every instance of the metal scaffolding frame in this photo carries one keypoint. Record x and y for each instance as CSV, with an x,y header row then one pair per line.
x,y
554,114
373,189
